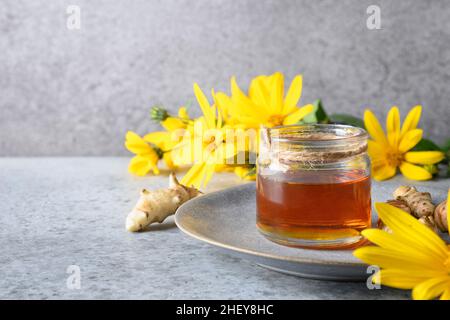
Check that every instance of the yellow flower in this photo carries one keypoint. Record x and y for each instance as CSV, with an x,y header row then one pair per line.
x,y
209,152
391,151
163,142
147,156
266,104
149,150
411,257
228,111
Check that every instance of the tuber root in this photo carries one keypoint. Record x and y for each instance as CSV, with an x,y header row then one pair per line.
x,y
420,203
429,222
441,216
425,220
156,206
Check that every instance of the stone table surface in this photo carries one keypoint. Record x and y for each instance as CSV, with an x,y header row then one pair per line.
x,y
60,212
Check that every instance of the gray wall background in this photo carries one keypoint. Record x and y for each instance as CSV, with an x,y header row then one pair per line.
x,y
68,92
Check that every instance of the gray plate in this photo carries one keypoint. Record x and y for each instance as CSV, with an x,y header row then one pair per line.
x,y
227,219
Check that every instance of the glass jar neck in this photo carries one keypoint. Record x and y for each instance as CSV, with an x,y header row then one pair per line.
x,y
312,144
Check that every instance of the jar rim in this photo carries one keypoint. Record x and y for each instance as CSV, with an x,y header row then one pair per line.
x,y
311,133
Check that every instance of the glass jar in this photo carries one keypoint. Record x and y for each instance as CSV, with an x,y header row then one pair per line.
x,y
313,185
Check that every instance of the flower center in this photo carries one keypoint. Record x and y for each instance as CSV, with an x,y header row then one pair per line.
x,y
158,150
276,119
394,158
211,142
207,139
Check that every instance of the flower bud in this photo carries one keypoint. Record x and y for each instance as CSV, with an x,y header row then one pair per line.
x,y
158,114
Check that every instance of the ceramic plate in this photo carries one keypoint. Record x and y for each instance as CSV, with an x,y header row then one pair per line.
x,y
227,219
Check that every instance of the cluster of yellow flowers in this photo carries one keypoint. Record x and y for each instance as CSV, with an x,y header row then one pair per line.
x,y
225,137
210,143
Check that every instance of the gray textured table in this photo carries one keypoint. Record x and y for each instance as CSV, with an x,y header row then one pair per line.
x,y
57,212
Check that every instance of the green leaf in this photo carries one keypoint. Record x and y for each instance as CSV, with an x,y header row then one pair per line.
x,y
321,115
446,146
318,115
343,118
426,145
446,149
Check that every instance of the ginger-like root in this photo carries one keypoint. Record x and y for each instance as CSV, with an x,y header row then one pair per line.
x,y
420,203
425,220
429,222
156,206
441,216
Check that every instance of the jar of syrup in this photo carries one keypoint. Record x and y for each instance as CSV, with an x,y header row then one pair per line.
x,y
313,185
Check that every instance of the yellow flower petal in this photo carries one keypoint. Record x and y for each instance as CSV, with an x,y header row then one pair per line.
x,y
299,114
242,103
374,128
411,120
167,157
244,172
158,138
393,126
409,140
414,172
182,113
424,157
250,121
277,93
141,165
375,149
396,259
205,106
194,176
397,278
431,288
226,106
293,95
411,230
172,124
134,143
216,107
383,172
259,93
446,294
396,244
209,171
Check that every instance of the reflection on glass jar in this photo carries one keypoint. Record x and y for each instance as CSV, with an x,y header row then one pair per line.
x,y
313,185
